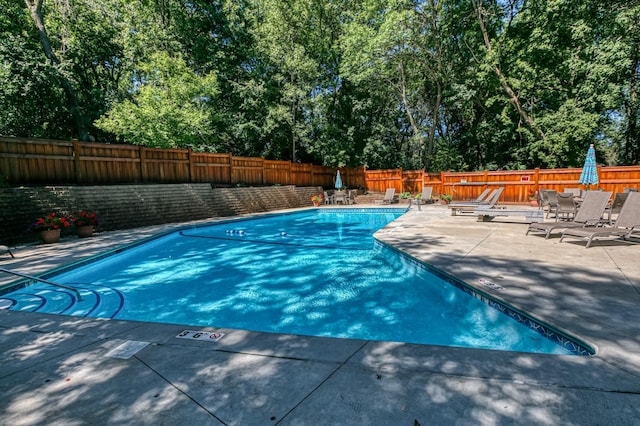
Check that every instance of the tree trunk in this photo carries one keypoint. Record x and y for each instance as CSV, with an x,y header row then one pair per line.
x,y
35,8
511,94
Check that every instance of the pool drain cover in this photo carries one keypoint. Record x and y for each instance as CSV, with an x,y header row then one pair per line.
x,y
127,349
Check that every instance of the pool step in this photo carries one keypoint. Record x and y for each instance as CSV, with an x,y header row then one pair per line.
x,y
97,301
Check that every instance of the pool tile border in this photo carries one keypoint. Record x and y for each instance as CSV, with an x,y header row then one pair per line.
x,y
569,343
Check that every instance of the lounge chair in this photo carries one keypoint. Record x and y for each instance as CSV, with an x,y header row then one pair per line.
x,y
487,212
589,214
627,223
470,206
425,197
5,249
615,206
390,196
482,198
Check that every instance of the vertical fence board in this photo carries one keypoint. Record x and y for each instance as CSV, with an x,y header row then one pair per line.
x,y
213,168
282,172
247,171
109,164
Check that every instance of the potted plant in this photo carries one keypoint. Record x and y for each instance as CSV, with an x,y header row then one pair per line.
x,y
405,196
49,227
533,198
317,199
445,198
85,223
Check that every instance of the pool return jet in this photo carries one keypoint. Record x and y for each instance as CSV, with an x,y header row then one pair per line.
x,y
20,274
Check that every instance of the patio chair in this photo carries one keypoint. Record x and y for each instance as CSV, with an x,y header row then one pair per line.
x,y
425,197
589,214
351,196
329,197
390,196
549,200
626,224
615,206
566,208
5,249
577,192
629,189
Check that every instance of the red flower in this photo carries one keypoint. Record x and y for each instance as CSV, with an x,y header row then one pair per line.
x,y
84,218
51,221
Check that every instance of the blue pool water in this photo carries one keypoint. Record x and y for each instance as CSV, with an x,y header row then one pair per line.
x,y
318,272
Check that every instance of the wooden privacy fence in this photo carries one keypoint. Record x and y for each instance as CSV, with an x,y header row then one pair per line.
x,y
518,184
54,162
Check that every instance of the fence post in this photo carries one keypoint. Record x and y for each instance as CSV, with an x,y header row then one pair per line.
x,y
536,179
143,163
441,183
230,169
189,152
77,167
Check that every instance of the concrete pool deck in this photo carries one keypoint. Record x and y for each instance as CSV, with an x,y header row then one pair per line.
x,y
55,370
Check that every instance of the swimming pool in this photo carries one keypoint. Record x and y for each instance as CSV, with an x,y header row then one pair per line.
x,y
318,272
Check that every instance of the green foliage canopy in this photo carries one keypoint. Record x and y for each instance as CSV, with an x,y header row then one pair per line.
x,y
433,84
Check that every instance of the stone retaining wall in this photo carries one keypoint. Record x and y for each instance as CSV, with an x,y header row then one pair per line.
x,y
130,206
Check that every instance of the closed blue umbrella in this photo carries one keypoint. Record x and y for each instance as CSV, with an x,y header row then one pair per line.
x,y
338,180
589,175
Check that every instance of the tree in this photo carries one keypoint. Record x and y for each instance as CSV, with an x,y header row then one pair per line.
x,y
35,8
168,107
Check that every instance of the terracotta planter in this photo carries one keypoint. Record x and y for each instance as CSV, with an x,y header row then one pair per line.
x,y
533,203
51,236
316,204
84,231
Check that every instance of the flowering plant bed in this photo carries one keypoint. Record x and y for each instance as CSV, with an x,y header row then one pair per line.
x,y
50,222
85,218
